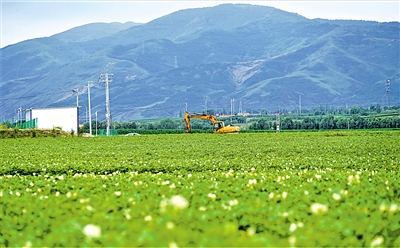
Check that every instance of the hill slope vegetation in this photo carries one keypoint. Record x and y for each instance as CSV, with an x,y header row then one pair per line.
x,y
262,57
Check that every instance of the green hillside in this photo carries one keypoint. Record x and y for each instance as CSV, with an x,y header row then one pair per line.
x,y
262,57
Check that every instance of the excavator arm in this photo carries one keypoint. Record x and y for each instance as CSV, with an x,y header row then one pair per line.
x,y
187,118
217,126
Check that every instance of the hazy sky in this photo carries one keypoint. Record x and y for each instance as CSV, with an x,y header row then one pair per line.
x,y
22,20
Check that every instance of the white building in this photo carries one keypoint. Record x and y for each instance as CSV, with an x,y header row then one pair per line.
x,y
65,117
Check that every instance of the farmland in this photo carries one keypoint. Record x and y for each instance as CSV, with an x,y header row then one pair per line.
x,y
250,189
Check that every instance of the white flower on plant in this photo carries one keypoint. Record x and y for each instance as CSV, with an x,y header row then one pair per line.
x,y
92,231
318,208
148,218
336,196
127,215
284,194
393,207
170,225
178,202
353,179
164,204
189,175
292,227
60,177
292,240
117,193
250,231
27,244
283,214
233,202
202,209
212,196
382,207
271,195
377,241
172,245
252,181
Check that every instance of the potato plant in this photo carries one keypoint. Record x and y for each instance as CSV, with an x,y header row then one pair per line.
x,y
255,189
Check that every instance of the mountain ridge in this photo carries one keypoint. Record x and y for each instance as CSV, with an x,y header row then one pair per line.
x,y
265,59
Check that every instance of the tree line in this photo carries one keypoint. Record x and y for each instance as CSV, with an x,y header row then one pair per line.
x,y
327,122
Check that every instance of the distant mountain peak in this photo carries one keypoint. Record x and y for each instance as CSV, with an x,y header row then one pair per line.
x,y
260,56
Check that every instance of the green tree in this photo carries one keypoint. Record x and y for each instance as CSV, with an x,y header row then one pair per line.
x,y
264,112
378,108
167,123
357,122
343,122
287,123
327,122
129,125
355,110
262,124
150,126
308,123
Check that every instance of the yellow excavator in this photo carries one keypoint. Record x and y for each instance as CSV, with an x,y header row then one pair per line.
x,y
217,126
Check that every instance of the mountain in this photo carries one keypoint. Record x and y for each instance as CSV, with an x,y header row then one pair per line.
x,y
93,31
261,57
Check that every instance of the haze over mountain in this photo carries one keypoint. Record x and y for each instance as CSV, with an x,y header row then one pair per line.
x,y
262,57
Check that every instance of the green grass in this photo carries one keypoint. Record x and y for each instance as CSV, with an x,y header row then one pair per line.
x,y
250,189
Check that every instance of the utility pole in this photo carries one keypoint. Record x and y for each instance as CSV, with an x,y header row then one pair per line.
x,y
77,93
387,92
186,105
107,78
90,112
278,123
232,102
205,104
299,104
96,123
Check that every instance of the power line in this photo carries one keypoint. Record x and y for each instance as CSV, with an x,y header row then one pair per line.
x,y
16,98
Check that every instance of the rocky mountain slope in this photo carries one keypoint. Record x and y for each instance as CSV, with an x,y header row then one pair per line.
x,y
261,57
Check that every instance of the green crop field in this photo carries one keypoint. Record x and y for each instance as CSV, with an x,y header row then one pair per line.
x,y
179,190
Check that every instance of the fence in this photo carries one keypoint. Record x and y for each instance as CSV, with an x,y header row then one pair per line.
x,y
26,124
103,132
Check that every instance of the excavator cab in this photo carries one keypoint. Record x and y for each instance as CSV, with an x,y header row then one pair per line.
x,y
217,125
